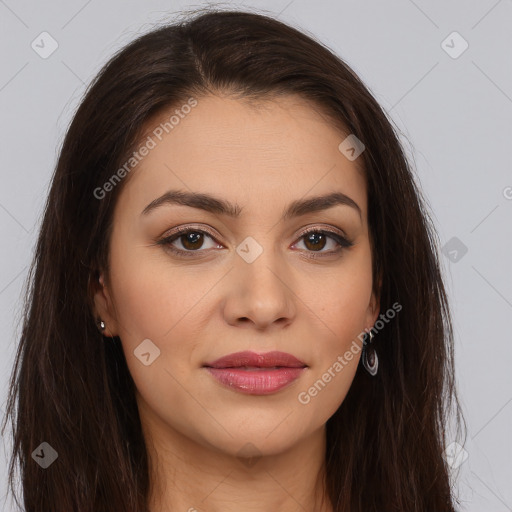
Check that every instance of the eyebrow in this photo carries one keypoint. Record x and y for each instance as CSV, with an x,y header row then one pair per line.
x,y
220,206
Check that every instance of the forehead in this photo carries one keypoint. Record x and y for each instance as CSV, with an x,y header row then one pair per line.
x,y
253,153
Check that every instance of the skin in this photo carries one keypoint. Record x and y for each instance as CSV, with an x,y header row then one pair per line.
x,y
261,157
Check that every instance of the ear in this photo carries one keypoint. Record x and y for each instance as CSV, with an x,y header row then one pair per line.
x,y
374,306
103,305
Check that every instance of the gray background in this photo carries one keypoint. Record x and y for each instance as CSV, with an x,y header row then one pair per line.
x,y
455,114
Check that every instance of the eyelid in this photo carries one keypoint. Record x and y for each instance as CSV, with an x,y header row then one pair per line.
x,y
323,227
214,234
191,227
339,236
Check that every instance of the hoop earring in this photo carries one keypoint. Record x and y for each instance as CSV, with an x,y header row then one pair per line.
x,y
369,356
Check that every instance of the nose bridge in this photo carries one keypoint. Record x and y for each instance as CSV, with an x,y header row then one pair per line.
x,y
261,291
259,262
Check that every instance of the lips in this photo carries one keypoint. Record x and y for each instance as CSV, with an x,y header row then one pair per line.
x,y
252,360
256,374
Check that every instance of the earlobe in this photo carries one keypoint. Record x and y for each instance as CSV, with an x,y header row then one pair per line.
x,y
374,308
103,307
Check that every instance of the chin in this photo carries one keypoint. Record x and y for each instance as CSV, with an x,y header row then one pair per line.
x,y
264,439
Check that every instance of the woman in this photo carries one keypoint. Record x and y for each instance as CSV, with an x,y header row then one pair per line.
x,y
236,301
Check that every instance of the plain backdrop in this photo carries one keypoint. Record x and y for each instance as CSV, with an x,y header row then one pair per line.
x,y
442,70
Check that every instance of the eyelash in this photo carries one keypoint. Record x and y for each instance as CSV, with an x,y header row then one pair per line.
x,y
343,242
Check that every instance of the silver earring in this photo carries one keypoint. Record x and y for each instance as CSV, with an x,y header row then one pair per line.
x,y
102,325
369,355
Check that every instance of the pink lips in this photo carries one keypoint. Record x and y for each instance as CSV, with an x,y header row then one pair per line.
x,y
256,374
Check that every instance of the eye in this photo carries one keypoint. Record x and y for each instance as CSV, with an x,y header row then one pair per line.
x,y
192,241
316,239
190,238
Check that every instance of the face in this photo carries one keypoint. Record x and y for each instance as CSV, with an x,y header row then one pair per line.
x,y
252,279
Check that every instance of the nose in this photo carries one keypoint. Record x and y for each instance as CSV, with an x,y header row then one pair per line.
x,y
259,294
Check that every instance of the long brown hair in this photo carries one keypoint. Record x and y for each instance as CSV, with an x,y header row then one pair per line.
x,y
72,390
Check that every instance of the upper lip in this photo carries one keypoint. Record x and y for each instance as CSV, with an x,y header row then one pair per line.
x,y
248,358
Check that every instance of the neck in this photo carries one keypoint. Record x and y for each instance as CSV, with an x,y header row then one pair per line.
x,y
190,476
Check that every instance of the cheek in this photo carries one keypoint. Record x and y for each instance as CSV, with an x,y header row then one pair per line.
x,y
340,305
339,310
152,304
165,304
336,354
152,299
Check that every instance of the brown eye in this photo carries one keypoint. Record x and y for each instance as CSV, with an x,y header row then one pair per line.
x,y
192,240
315,241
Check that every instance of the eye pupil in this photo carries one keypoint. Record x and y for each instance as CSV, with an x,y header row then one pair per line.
x,y
191,239
314,238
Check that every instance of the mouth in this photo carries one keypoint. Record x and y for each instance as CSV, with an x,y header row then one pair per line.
x,y
249,359
256,374
252,368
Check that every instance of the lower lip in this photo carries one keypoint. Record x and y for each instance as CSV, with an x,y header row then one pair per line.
x,y
256,382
